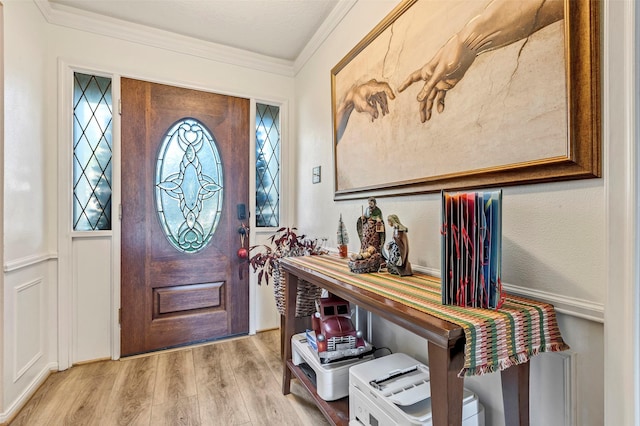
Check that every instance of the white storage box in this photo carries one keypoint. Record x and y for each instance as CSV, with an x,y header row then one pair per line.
x,y
331,380
396,390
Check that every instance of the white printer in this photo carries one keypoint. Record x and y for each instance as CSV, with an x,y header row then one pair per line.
x,y
331,380
395,390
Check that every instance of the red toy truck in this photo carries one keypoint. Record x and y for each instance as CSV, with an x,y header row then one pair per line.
x,y
336,337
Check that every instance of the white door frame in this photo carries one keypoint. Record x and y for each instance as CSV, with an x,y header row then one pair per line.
x,y
66,300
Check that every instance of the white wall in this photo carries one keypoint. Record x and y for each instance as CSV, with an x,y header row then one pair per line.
x,y
39,57
26,164
29,322
554,245
555,235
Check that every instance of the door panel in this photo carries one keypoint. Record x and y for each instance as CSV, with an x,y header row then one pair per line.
x,y
170,297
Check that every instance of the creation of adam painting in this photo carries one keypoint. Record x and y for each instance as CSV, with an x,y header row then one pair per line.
x,y
453,94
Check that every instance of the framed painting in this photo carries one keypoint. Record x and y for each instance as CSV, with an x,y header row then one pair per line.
x,y
471,93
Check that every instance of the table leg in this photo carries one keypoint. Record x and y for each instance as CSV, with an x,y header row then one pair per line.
x,y
288,328
282,326
446,386
515,394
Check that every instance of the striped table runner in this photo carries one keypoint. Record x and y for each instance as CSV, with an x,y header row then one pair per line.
x,y
495,339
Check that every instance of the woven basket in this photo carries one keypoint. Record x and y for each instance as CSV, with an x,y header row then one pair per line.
x,y
305,298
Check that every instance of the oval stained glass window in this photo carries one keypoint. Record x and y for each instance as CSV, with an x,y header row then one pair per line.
x,y
189,185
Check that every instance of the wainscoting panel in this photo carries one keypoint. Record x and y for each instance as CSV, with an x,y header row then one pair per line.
x,y
28,339
30,329
92,304
557,407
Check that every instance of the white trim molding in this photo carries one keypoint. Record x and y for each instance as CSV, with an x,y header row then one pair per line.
x,y
621,133
342,8
27,261
24,397
570,387
65,16
572,306
59,14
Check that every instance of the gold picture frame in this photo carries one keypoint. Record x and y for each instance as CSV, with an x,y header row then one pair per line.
x,y
516,112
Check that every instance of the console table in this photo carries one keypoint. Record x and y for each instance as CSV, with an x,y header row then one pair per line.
x,y
446,342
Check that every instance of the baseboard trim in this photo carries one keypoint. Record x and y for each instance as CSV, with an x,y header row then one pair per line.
x,y
21,401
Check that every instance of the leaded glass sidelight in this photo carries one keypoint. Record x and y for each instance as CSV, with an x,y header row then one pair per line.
x,y
92,153
189,185
267,165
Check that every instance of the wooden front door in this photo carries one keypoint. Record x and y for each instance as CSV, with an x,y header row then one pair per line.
x,y
177,287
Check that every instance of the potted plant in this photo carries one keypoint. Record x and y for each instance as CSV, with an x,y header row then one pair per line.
x,y
265,261
342,238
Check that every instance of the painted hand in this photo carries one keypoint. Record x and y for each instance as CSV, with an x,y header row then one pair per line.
x,y
372,98
440,74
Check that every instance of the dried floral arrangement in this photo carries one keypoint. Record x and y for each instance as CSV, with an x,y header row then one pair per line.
x,y
284,242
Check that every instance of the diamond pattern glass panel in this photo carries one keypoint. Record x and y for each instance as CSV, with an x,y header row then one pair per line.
x,y
189,185
267,165
92,152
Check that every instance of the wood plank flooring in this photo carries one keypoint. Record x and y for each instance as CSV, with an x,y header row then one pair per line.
x,y
231,382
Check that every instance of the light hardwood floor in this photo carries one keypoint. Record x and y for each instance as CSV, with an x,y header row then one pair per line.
x,y
231,382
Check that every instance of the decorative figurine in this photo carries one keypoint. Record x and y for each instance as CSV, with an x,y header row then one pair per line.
x,y
372,216
372,234
397,250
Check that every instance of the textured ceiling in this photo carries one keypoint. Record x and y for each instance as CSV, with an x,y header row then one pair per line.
x,y
275,28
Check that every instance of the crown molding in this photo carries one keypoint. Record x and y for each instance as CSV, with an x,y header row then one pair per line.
x,y
335,17
91,22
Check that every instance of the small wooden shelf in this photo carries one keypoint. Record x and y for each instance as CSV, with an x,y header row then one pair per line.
x,y
336,412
